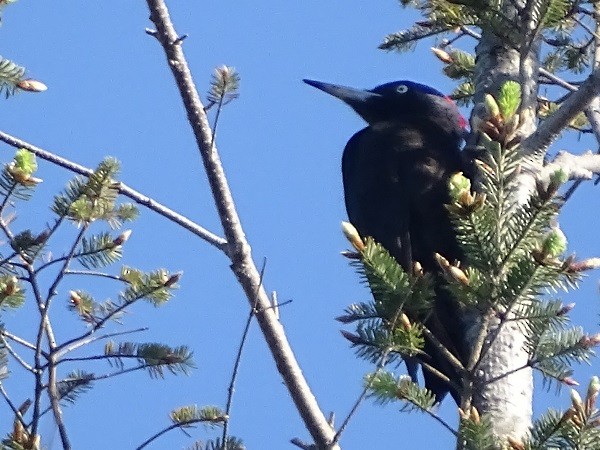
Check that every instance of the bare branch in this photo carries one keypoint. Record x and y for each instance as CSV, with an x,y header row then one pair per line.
x,y
238,248
577,167
54,397
166,430
15,410
450,357
15,355
19,340
125,190
552,126
64,349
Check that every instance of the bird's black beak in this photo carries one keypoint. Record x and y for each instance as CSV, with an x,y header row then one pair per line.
x,y
356,98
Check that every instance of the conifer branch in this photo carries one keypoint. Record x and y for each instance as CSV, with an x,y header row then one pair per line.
x,y
238,248
591,111
136,196
164,431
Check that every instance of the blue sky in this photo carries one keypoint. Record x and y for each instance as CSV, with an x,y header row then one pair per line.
x,y
110,93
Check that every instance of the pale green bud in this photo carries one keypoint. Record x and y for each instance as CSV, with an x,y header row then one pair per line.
x,y
459,184
555,242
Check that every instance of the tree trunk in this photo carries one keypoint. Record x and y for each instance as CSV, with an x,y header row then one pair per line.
x,y
503,390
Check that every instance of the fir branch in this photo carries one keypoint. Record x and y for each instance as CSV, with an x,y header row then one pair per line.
x,y
98,251
125,190
407,39
393,289
475,433
358,311
461,65
557,350
384,387
155,286
186,417
224,87
75,383
10,76
543,434
153,357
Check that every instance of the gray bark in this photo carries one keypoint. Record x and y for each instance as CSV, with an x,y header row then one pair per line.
x,y
500,389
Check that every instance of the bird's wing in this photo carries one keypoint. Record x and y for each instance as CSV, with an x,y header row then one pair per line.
x,y
371,186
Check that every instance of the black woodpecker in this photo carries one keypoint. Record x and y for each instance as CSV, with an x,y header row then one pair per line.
x,y
396,173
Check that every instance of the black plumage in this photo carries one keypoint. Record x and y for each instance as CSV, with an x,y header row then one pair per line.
x,y
396,173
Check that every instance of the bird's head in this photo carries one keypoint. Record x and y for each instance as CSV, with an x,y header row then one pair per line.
x,y
399,101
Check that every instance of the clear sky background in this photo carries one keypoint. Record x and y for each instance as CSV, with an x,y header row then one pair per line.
x,y
111,93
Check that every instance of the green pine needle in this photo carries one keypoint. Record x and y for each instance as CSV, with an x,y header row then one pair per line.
x,y
156,287
186,416
75,384
477,434
98,251
155,358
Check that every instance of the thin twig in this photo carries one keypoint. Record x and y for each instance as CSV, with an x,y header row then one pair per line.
x,y
16,356
238,358
169,428
19,340
66,348
66,263
450,357
64,258
53,393
54,396
95,274
125,190
12,406
79,340
445,424
97,358
509,372
361,397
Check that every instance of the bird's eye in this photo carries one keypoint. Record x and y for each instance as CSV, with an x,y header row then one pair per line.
x,y
402,89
